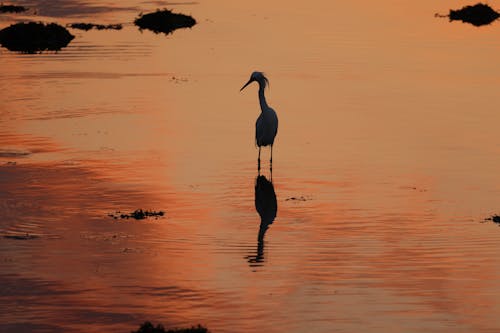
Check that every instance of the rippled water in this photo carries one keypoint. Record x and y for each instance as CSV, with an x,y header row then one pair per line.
x,y
385,165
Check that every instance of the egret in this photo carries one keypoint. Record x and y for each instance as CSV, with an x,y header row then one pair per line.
x,y
266,126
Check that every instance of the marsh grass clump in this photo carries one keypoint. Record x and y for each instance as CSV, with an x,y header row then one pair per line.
x,y
12,9
164,21
138,214
89,26
35,37
147,327
479,14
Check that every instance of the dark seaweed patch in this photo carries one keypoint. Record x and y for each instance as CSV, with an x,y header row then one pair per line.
x,y
494,218
89,26
164,21
138,214
147,327
35,37
479,14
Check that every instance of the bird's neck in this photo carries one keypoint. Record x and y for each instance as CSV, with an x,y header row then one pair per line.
x,y
262,98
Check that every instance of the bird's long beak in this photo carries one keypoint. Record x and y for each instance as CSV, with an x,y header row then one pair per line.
x,y
246,84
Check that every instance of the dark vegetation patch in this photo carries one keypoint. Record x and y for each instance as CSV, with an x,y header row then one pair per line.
x,y
138,214
35,37
479,14
164,21
89,26
493,218
12,9
147,327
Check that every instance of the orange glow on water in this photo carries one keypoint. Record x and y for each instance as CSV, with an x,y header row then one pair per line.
x,y
384,164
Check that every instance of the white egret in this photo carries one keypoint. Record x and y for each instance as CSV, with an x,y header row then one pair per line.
x,y
266,126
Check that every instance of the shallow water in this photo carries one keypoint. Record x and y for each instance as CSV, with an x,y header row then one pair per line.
x,y
385,165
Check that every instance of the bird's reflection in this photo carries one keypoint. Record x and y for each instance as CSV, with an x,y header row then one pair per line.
x,y
267,207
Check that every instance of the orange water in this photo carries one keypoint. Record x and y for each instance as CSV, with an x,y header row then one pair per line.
x,y
387,142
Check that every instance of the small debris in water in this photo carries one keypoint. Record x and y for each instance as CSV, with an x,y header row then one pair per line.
x,y
106,237
20,236
414,188
178,80
147,327
138,214
34,37
301,198
12,9
164,21
89,26
479,14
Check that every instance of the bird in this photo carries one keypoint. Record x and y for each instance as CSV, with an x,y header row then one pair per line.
x,y
266,126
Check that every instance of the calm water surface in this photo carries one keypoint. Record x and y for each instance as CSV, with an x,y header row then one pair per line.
x,y
385,165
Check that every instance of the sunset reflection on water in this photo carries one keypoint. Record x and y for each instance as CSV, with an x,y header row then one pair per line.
x,y
383,168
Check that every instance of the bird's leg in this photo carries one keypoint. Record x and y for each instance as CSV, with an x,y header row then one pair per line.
x,y
271,171
271,161
258,161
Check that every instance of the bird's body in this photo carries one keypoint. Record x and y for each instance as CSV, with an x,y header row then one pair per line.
x,y
266,126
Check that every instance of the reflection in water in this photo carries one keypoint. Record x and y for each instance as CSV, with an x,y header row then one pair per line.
x,y
64,8
267,206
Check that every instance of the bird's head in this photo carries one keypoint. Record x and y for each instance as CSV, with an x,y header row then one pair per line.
x,y
259,77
